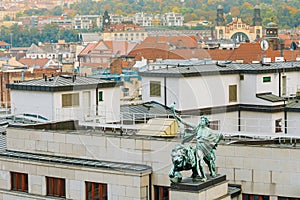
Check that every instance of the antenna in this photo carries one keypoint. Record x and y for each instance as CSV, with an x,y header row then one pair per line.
x,y
293,48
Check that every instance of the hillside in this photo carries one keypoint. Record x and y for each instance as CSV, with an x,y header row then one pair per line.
x,y
286,13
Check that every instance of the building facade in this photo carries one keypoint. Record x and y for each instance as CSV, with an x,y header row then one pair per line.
x,y
237,30
233,94
67,97
134,167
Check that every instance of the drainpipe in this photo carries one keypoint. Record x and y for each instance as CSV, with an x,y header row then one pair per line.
x,y
165,90
279,82
150,187
239,119
285,118
97,103
23,75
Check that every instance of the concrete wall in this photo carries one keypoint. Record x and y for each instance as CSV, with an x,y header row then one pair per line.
x,y
266,170
32,101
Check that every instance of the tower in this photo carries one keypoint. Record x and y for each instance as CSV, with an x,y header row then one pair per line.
x,y
220,16
272,35
256,16
106,20
220,28
257,22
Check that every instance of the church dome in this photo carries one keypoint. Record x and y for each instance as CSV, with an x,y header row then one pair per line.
x,y
272,25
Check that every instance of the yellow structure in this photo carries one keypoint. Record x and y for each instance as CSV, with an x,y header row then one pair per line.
x,y
162,127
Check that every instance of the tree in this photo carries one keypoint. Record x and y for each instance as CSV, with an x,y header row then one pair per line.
x,y
7,18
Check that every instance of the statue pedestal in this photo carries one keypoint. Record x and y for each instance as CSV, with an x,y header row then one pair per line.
x,y
213,188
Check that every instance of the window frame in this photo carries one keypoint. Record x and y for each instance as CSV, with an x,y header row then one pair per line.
x,y
102,193
73,100
214,125
57,187
161,192
232,95
267,79
16,177
155,89
278,125
254,197
100,99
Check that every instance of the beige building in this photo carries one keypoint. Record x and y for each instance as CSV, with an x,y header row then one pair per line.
x,y
238,30
80,163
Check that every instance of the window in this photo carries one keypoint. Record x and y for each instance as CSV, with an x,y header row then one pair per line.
x,y
100,96
242,77
95,191
70,100
214,125
19,181
255,197
155,89
232,93
161,192
56,187
278,125
267,79
288,198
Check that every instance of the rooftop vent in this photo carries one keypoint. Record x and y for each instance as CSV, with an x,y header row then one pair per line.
x,y
66,76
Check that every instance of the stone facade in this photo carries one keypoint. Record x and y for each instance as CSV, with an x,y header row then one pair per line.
x,y
271,170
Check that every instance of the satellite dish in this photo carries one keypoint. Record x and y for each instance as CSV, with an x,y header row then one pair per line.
x,y
264,45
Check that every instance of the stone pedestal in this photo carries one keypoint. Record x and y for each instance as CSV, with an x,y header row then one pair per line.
x,y
213,188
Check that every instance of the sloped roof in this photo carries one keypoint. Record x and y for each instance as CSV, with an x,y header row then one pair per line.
x,y
270,97
11,62
197,68
116,47
2,43
90,37
62,83
30,62
150,109
34,49
178,41
87,49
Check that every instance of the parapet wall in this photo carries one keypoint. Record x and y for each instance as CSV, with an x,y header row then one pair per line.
x,y
264,170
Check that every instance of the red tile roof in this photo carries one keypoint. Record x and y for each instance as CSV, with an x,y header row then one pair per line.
x,y
34,62
2,43
88,49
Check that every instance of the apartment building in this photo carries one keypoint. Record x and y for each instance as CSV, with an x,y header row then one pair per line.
x,y
86,22
67,97
172,19
238,97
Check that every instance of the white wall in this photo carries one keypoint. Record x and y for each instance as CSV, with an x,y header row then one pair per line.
x,y
77,112
263,87
34,102
260,122
206,91
292,82
193,92
110,106
293,126
248,89
49,104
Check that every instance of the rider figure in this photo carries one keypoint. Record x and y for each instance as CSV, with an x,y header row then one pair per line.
x,y
206,143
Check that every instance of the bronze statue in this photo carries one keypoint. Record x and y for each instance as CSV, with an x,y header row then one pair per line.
x,y
183,158
207,142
